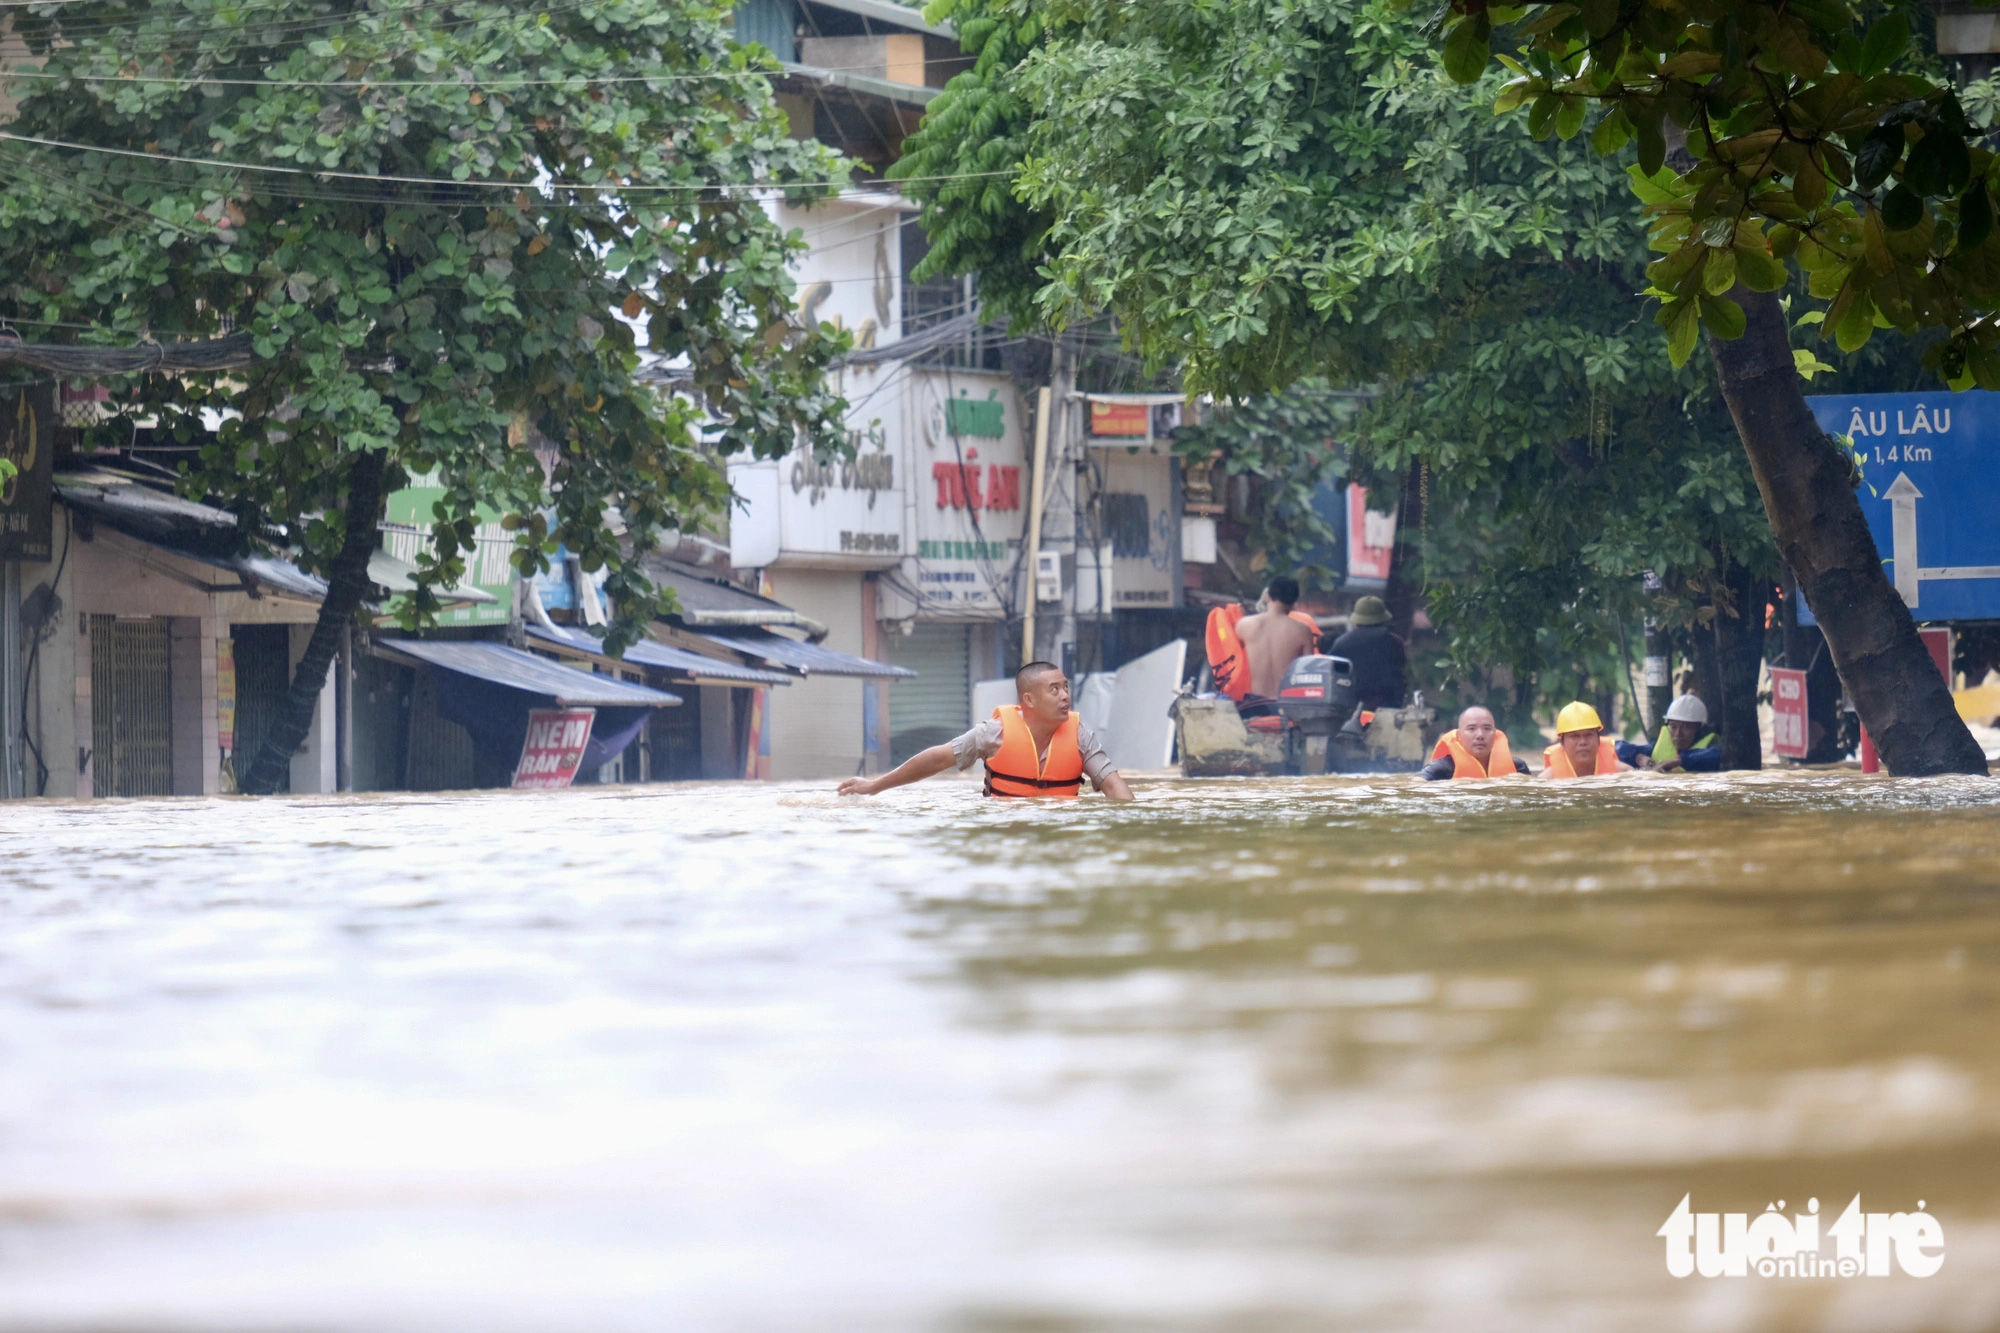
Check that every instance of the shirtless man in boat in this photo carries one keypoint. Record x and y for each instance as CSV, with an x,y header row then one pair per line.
x,y
1272,640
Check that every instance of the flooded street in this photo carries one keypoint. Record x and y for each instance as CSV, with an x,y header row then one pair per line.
x,y
1287,1054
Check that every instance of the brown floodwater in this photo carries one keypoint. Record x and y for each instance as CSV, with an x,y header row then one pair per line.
x,y
1344,1053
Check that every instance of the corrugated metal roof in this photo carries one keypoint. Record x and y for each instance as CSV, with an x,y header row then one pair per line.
x,y
521,670
652,653
696,591
885,11
807,657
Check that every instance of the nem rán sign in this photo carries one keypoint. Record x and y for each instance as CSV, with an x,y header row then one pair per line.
x,y
553,749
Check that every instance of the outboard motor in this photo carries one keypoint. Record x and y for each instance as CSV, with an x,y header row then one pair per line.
x,y
1316,699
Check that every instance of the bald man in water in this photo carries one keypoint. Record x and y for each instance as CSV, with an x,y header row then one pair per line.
x,y
1477,732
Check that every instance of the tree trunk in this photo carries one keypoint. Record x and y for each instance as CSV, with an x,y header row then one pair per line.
x,y
1727,652
1807,483
347,584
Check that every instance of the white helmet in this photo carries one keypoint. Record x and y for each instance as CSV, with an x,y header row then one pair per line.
x,y
1688,708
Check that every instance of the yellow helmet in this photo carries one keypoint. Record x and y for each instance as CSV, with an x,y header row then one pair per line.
x,y
1578,716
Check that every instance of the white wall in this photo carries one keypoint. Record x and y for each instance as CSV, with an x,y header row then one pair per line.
x,y
816,729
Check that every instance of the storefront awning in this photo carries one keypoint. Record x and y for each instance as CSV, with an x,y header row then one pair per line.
x,y
809,658
517,669
652,653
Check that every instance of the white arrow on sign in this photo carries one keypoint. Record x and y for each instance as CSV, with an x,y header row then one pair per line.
x,y
1902,496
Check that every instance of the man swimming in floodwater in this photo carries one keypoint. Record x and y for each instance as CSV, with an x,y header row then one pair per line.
x,y
1476,748
1036,747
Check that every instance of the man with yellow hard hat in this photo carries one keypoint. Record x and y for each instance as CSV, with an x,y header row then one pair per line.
x,y
1580,750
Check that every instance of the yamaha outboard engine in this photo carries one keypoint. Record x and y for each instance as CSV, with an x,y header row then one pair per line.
x,y
1316,699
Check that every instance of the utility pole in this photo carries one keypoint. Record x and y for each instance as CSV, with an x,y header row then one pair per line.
x,y
11,667
1059,525
1659,663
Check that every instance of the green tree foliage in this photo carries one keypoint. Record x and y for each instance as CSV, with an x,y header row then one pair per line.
x,y
1809,139
1265,192
960,161
428,217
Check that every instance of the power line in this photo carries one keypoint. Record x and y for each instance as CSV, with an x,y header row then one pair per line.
x,y
840,187
472,85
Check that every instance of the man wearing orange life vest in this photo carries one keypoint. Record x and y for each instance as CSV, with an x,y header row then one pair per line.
x,y
1476,749
1579,749
1037,747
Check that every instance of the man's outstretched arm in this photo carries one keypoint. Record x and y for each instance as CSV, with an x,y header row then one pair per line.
x,y
1113,787
923,764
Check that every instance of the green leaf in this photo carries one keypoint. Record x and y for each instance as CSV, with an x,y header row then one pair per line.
x,y
1466,51
1569,119
1883,44
1613,132
1652,145
1975,217
1758,271
1939,164
1878,155
1901,209
1724,317
1683,321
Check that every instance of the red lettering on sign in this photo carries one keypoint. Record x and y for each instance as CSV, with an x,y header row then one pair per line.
x,y
963,486
1003,487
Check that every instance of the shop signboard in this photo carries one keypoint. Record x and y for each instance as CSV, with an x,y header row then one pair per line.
x,y
1371,542
1930,492
1141,521
970,501
27,497
1120,419
552,751
1788,713
840,513
406,535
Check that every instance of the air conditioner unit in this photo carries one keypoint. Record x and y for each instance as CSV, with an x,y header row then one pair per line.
x,y
1048,576
1093,580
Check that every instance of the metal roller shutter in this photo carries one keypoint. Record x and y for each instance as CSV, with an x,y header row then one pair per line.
x,y
937,705
131,707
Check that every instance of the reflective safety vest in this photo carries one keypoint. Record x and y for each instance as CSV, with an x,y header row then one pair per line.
x,y
1500,764
1225,650
1558,760
1017,770
1664,751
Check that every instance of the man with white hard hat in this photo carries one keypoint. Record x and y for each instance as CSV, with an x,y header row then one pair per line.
x,y
1685,744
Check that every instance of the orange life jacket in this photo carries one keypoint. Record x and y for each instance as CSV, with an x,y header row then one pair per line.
x,y
1463,765
1225,650
1558,761
1017,770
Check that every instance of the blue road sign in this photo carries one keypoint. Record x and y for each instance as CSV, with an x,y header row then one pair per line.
x,y
1930,467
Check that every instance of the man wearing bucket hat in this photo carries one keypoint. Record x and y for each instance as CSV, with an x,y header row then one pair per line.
x,y
1579,750
1682,746
1381,665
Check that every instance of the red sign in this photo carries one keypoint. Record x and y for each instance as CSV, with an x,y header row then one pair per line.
x,y
1788,713
1121,419
1371,538
553,750
971,486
